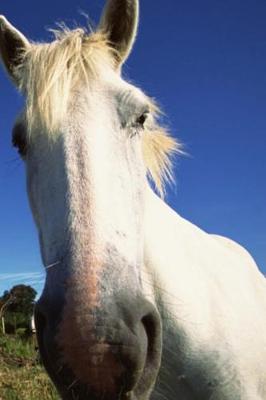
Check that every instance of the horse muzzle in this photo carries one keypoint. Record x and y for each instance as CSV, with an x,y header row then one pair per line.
x,y
110,352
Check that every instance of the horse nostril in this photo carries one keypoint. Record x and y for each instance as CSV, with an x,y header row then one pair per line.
x,y
40,319
45,337
152,326
41,324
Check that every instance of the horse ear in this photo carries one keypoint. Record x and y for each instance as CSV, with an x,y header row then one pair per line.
x,y
13,45
119,22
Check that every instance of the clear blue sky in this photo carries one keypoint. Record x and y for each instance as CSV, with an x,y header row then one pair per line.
x,y
205,62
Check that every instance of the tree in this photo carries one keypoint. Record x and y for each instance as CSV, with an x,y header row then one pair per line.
x,y
23,299
19,305
4,303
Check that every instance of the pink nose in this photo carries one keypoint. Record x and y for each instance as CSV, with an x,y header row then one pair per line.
x,y
119,355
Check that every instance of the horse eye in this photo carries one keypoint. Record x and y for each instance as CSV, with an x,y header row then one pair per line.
x,y
142,119
138,125
19,139
20,144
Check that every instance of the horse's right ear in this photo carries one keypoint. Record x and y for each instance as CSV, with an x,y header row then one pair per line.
x,y
119,22
13,45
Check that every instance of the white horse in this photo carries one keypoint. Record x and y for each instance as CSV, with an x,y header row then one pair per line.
x,y
138,303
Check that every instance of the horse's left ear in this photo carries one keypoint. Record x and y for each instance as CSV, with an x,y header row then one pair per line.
x,y
13,45
120,21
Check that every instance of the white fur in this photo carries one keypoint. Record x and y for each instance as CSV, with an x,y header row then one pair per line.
x,y
88,187
102,189
215,295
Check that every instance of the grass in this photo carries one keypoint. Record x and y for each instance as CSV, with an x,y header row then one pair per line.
x,y
21,375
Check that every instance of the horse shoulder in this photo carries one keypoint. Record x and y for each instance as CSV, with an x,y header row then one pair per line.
x,y
248,269
236,248
214,296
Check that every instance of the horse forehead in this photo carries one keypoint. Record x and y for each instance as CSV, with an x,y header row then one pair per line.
x,y
114,83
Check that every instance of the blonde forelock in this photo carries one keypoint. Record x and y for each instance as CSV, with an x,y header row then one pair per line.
x,y
50,72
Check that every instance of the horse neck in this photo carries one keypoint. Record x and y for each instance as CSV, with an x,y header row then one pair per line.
x,y
161,223
160,238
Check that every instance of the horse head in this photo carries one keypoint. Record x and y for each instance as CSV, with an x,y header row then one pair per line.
x,y
88,139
